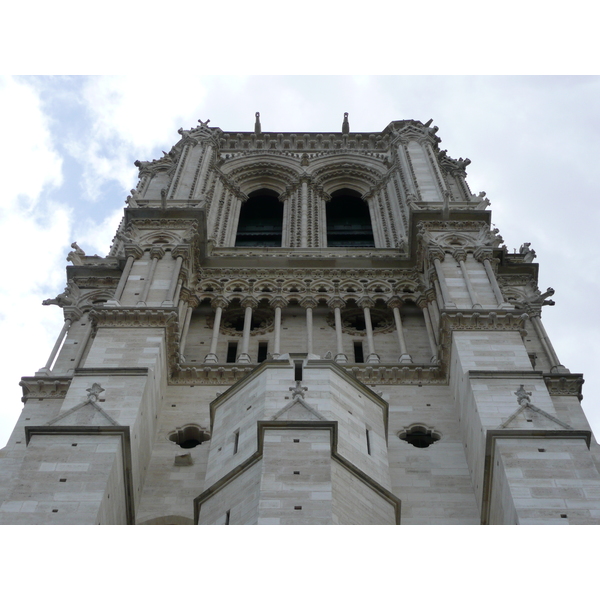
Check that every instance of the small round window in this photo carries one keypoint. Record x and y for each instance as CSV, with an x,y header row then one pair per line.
x,y
189,436
420,436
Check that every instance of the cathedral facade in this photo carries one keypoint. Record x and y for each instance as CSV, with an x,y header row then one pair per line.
x,y
302,328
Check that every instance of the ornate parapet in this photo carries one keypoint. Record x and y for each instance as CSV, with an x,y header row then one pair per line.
x,y
564,384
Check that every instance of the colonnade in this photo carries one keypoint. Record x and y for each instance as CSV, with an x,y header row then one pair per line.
x,y
249,304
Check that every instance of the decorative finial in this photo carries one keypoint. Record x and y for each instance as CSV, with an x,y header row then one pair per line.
x,y
298,391
522,396
94,392
345,124
257,124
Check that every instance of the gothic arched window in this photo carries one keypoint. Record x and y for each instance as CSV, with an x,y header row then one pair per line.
x,y
261,220
348,220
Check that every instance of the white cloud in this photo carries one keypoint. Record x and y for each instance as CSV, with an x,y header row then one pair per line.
x,y
34,235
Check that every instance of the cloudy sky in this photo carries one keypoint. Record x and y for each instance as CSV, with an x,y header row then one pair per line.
x,y
69,143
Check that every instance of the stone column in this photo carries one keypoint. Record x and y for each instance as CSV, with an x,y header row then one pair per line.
x,y
433,308
218,304
434,351
249,304
437,255
82,347
555,366
309,304
132,251
461,256
366,304
174,280
278,303
155,254
485,256
395,303
185,329
337,304
71,315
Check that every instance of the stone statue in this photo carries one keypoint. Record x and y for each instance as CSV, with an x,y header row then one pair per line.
x,y
528,252
66,298
76,255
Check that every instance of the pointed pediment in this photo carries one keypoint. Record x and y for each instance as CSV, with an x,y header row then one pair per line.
x,y
298,410
529,416
85,413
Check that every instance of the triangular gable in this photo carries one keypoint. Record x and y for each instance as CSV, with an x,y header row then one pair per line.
x,y
298,410
526,412
85,413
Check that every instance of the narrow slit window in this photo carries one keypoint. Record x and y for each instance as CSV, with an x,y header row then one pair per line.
x,y
298,371
359,356
368,441
231,352
227,515
262,351
236,441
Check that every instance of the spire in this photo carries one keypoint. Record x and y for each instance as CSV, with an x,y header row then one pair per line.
x,y
257,124
345,124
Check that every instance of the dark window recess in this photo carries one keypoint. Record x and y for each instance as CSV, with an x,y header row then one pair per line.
x,y
298,371
359,356
420,437
368,441
297,508
227,515
261,220
231,352
236,441
348,221
262,351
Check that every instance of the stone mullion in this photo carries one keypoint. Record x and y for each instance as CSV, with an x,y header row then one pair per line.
x,y
208,154
485,256
376,226
389,192
322,221
384,225
285,227
133,252
155,255
304,214
233,221
174,281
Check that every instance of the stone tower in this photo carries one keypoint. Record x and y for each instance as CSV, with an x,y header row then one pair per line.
x,y
302,328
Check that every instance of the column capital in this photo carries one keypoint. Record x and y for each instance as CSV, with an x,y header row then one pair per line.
x,y
460,254
482,254
278,302
422,301
435,252
157,252
133,250
248,301
181,251
366,302
308,302
336,302
219,302
395,302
